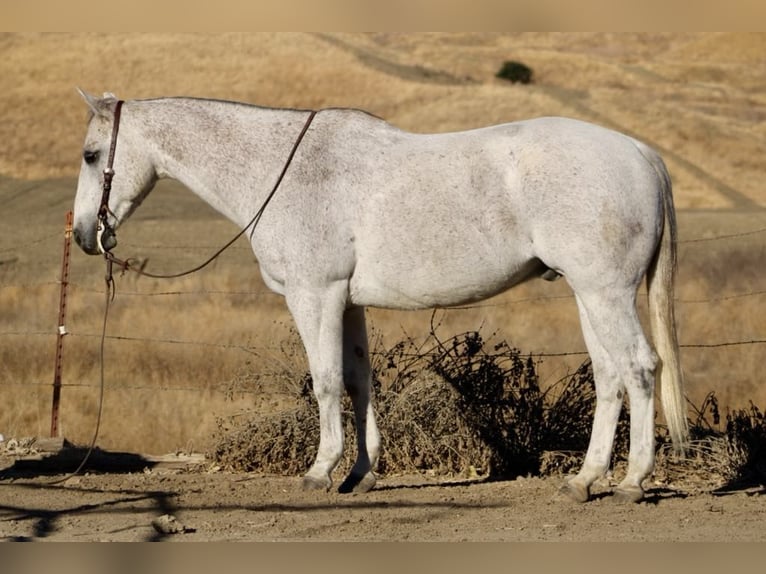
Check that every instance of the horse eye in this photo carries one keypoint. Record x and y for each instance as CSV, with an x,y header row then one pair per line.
x,y
90,156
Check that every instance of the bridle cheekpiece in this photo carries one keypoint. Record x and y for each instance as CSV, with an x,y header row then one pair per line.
x,y
103,209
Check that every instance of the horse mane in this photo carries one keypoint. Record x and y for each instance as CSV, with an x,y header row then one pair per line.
x,y
250,105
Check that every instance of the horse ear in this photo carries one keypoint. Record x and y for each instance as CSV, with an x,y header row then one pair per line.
x,y
99,106
92,101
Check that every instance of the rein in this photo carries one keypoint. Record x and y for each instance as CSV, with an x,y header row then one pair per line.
x,y
131,264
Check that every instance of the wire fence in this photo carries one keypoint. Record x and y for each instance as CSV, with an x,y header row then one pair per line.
x,y
217,294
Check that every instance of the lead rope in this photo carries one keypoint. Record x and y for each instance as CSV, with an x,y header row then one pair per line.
x,y
109,292
129,264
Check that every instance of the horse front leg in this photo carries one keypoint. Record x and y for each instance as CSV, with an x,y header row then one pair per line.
x,y
318,315
357,375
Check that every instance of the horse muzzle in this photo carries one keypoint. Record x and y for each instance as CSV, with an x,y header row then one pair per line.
x,y
106,239
98,243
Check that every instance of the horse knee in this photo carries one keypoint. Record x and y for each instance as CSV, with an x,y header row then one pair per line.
x,y
328,386
646,359
641,371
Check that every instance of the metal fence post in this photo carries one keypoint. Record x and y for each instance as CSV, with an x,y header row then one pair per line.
x,y
61,328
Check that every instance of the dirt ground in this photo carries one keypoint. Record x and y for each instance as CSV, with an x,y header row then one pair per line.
x,y
202,504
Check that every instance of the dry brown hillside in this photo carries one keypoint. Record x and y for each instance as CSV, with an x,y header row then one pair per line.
x,y
700,98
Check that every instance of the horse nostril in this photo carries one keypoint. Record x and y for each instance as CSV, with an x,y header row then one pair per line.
x,y
77,238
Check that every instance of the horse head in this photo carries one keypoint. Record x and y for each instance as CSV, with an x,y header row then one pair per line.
x,y
98,214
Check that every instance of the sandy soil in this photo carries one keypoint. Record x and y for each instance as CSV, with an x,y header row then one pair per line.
x,y
198,504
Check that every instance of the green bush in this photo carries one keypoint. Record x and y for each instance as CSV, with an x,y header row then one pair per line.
x,y
515,72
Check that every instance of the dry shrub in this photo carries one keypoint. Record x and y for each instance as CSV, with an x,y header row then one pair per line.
x,y
281,435
423,429
416,411
283,443
746,439
460,406
718,459
467,407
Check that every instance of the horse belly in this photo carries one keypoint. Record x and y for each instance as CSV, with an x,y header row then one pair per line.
x,y
422,283
453,241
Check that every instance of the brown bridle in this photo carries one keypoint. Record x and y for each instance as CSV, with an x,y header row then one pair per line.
x,y
104,211
103,208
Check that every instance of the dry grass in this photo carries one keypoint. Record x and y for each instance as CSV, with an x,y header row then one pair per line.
x,y
700,98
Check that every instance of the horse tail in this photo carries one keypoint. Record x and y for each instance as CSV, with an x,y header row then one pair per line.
x,y
660,281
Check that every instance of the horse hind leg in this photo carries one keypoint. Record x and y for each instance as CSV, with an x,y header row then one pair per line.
x,y
640,383
357,375
622,360
609,397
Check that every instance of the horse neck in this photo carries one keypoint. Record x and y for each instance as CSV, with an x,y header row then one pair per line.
x,y
228,154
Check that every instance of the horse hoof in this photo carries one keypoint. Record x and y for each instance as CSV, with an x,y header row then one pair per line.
x,y
628,494
575,492
358,483
313,483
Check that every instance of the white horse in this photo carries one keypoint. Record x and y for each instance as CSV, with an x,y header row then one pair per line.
x,y
368,214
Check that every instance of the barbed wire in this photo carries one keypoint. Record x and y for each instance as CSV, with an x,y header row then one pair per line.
x,y
246,247
251,349
131,387
721,237
720,298
228,388
725,344
43,239
267,293
156,340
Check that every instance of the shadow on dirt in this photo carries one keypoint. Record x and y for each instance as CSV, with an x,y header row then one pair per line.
x,y
750,487
436,485
68,460
57,466
45,522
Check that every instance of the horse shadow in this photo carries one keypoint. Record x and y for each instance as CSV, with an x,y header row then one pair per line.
x,y
70,459
63,465
753,485
46,522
